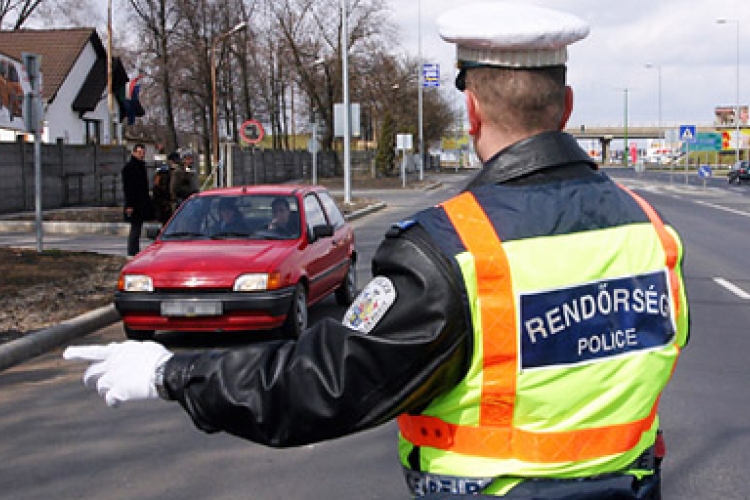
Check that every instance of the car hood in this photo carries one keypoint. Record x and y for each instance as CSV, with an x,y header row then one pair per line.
x,y
206,264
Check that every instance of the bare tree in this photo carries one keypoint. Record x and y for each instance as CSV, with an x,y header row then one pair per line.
x,y
14,14
63,13
285,65
159,20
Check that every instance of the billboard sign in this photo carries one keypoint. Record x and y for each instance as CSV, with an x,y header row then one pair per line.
x,y
725,115
14,85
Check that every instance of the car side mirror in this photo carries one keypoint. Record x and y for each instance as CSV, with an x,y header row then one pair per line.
x,y
322,231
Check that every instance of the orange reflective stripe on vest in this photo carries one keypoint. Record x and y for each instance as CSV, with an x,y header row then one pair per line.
x,y
498,313
667,241
509,442
495,436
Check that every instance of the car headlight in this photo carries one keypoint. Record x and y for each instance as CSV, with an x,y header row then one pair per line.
x,y
251,282
257,282
135,283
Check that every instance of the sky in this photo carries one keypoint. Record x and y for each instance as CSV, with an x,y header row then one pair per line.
x,y
693,58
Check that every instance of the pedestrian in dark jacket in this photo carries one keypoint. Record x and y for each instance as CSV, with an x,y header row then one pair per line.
x,y
138,205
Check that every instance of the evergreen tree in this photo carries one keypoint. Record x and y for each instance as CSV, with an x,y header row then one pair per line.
x,y
386,154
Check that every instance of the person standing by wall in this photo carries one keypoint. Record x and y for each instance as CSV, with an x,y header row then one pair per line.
x,y
188,159
163,205
183,182
138,205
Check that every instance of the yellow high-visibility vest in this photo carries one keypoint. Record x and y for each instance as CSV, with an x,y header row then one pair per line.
x,y
575,336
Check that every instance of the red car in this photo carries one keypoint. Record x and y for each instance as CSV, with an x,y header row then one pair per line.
x,y
241,258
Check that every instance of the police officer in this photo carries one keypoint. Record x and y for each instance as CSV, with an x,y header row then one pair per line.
x,y
521,332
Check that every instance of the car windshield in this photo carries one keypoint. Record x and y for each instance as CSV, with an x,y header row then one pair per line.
x,y
249,217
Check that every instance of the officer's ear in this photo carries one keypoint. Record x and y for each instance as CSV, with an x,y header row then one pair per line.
x,y
474,113
568,110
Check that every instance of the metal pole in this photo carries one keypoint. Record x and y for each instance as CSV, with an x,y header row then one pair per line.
x,y
214,114
345,78
737,115
662,139
737,95
315,152
110,96
420,99
661,129
625,151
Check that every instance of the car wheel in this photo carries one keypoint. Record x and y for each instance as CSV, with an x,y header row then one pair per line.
x,y
347,291
138,334
296,319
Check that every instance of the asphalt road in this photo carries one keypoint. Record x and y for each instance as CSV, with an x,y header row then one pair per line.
x,y
60,441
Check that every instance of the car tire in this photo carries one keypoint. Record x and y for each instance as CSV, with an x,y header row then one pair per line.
x,y
347,290
296,319
132,334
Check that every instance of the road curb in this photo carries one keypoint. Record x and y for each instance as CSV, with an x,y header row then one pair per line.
x,y
34,344
54,227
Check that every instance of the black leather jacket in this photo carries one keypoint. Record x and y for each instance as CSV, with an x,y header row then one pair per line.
x,y
335,381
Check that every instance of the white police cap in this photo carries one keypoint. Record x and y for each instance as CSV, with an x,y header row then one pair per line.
x,y
510,35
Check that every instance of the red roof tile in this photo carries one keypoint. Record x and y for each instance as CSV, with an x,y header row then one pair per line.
x,y
59,48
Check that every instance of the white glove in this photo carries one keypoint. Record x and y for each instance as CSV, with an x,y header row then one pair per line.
x,y
121,371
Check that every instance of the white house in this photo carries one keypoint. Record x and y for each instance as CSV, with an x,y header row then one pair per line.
x,y
74,88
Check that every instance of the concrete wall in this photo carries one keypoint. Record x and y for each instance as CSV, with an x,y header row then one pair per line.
x,y
89,175
72,175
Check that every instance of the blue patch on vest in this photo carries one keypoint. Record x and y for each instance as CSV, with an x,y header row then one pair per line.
x,y
595,321
405,224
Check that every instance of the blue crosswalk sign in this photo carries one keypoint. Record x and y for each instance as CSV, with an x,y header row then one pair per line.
x,y
687,133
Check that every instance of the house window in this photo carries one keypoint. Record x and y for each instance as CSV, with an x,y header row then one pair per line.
x,y
93,131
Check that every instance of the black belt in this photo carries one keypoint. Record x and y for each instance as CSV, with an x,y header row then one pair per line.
x,y
621,485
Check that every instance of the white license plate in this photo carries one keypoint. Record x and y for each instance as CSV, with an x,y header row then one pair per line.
x,y
190,308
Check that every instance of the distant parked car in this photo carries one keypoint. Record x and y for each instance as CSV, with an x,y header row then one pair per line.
x,y
740,171
231,260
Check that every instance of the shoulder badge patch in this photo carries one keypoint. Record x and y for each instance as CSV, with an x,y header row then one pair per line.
x,y
370,305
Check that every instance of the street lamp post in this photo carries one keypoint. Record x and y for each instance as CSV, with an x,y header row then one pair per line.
x,y
111,127
737,95
347,107
420,98
658,69
214,113
625,150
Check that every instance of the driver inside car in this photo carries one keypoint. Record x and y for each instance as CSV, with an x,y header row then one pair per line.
x,y
283,221
230,218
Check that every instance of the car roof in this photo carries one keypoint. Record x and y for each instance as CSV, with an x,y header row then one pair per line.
x,y
264,189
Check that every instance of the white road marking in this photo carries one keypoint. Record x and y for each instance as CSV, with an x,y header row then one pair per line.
x,y
733,288
719,207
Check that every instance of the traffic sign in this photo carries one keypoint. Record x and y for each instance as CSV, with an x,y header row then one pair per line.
x,y
705,171
687,133
252,131
430,75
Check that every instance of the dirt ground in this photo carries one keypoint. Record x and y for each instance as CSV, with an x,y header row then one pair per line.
x,y
39,290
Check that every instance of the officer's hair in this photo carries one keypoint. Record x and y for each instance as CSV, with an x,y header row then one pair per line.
x,y
520,100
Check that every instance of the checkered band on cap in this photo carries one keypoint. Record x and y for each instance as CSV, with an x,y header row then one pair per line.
x,y
512,59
